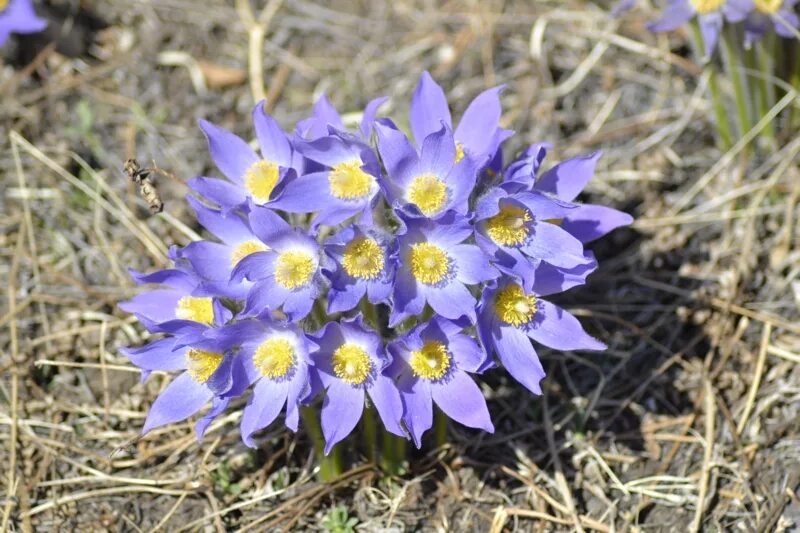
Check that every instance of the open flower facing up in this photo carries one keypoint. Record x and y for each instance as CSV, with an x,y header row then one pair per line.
x,y
350,364
176,308
711,15
18,16
260,179
478,134
347,186
521,230
415,239
210,373
364,266
214,261
565,181
431,362
435,267
430,184
275,357
509,316
288,274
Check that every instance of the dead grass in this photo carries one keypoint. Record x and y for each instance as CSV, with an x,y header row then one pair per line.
x,y
688,422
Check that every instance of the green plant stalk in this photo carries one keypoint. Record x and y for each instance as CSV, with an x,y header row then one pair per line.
x,y
794,80
391,461
761,96
440,428
732,57
717,101
370,434
330,466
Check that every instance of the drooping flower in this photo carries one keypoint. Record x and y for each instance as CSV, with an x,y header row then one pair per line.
x,y
347,186
288,274
210,374
429,184
350,364
435,267
586,222
711,15
520,230
249,176
364,266
478,134
431,362
509,316
179,307
18,16
275,357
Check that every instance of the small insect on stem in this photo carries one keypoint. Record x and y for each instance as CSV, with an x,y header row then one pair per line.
x,y
147,187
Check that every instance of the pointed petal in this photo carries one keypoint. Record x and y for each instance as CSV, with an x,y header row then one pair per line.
x,y
182,398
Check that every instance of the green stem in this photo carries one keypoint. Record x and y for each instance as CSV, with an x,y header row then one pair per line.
x,y
390,461
733,57
721,115
440,428
330,466
370,434
761,93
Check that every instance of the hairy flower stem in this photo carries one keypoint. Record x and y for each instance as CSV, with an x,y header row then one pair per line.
x,y
720,113
330,466
392,455
440,428
370,434
732,57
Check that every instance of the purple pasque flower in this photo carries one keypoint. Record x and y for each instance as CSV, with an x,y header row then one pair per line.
x,y
210,373
478,134
18,16
288,274
509,316
214,261
260,178
179,307
586,222
763,14
350,364
429,184
710,14
435,266
520,230
275,357
432,361
346,186
324,117
364,265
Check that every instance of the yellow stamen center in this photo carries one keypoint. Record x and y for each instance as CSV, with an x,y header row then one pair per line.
x,y
245,249
294,269
3,4
513,306
459,152
195,309
508,227
707,6
349,182
431,362
201,364
351,364
429,263
274,358
363,258
769,7
428,193
260,179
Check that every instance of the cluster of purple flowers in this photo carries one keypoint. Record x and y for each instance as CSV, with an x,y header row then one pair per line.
x,y
18,16
364,263
757,16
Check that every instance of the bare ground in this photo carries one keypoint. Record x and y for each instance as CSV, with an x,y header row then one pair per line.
x,y
688,422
